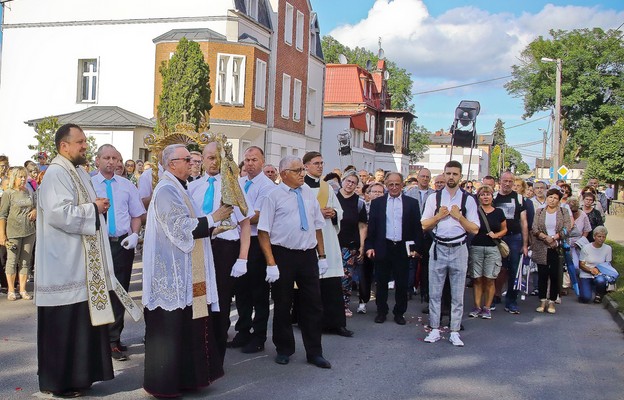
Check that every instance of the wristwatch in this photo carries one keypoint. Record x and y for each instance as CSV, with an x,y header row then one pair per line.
x,y
322,256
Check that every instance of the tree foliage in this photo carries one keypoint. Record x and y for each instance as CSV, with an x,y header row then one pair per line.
x,y
495,161
499,133
45,131
592,88
418,142
186,86
606,161
399,83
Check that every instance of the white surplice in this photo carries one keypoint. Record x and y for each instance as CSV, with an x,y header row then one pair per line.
x,y
330,237
167,270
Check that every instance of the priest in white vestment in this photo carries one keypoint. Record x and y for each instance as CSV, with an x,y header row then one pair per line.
x,y
73,306
179,285
334,311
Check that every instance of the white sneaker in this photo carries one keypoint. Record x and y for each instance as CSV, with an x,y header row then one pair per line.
x,y
361,308
433,336
391,285
454,338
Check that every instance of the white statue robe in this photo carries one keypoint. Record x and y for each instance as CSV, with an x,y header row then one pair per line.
x,y
330,237
167,270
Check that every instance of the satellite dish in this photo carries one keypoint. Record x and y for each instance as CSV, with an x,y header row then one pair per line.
x,y
381,53
369,65
342,58
386,75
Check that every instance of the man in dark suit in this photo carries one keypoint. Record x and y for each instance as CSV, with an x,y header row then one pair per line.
x,y
393,220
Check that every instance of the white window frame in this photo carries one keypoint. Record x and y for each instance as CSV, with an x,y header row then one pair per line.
x,y
252,8
92,80
288,24
299,30
297,87
389,132
371,135
230,87
261,84
311,106
286,96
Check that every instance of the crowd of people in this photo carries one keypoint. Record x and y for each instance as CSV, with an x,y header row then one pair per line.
x,y
303,238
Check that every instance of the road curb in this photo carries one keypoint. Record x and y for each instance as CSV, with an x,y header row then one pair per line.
x,y
612,307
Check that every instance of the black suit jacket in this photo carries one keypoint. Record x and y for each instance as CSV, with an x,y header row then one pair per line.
x,y
411,226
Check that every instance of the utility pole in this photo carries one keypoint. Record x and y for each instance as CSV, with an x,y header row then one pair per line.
x,y
545,132
556,144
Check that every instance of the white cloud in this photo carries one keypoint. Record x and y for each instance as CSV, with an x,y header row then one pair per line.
x,y
464,43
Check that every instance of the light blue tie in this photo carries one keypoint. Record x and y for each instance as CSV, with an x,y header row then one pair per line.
x,y
302,211
247,184
110,216
209,196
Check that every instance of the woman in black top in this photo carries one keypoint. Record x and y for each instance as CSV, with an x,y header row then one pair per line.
x,y
352,231
485,258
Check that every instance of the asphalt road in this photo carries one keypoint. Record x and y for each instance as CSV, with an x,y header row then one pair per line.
x,y
574,354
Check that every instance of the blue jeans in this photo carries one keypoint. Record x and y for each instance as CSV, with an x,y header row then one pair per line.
x,y
585,288
514,242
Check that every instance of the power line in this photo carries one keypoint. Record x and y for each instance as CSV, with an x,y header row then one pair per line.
x,y
464,85
522,124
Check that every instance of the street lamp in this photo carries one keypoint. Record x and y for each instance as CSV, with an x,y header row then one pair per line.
x,y
557,125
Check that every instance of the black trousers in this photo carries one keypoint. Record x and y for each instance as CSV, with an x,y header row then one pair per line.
x,y
394,265
366,280
299,266
122,264
549,271
252,294
225,254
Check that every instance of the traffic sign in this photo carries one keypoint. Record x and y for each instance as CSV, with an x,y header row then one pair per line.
x,y
563,172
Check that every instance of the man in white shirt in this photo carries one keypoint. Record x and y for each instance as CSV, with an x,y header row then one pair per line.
x,y
123,220
252,289
229,248
450,224
271,172
291,236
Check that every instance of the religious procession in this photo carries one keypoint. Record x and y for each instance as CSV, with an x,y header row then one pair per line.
x,y
315,248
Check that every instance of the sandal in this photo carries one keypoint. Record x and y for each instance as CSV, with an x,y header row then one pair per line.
x,y
11,296
25,296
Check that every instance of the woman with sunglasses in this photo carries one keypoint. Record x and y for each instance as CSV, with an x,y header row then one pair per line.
x,y
131,172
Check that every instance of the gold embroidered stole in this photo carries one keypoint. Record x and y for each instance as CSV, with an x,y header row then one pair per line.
x,y
198,266
97,269
323,194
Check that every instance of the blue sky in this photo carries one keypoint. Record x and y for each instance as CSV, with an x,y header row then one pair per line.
x,y
448,43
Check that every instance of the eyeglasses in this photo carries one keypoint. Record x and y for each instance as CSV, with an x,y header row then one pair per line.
x,y
297,171
350,182
186,159
195,161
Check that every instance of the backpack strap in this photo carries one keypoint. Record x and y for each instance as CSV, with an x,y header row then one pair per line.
x,y
438,201
463,203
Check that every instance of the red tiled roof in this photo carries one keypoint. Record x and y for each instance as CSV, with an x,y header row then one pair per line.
x,y
342,84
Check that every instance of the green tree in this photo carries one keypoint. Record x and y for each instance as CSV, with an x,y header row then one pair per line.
x,y
495,161
499,133
44,136
592,89
514,162
606,160
418,142
399,83
186,86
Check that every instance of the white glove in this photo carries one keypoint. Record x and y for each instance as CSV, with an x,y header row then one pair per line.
x,y
239,268
130,242
272,273
323,267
